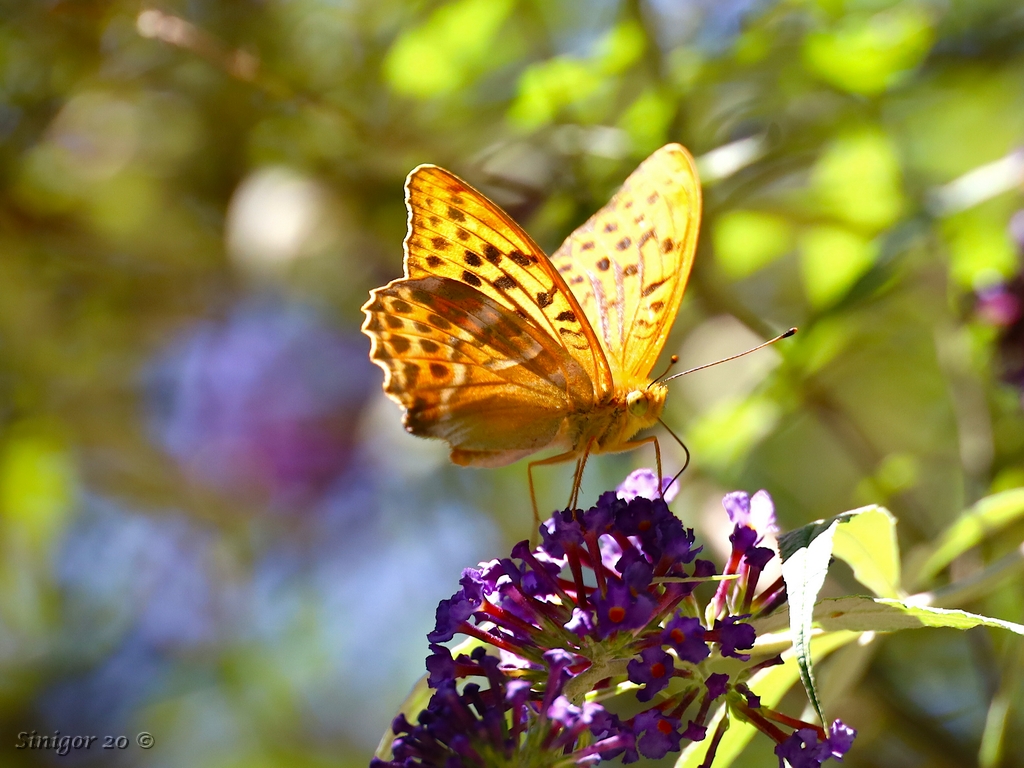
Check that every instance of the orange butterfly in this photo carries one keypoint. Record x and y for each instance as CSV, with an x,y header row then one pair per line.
x,y
501,351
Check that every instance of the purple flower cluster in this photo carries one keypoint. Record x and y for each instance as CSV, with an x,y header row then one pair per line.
x,y
607,604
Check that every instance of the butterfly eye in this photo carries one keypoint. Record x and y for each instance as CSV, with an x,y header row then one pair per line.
x,y
637,402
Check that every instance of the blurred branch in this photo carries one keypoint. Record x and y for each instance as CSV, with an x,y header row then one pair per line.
x,y
175,31
978,185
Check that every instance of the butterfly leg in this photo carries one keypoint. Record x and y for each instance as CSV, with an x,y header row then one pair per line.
x,y
559,459
657,455
577,479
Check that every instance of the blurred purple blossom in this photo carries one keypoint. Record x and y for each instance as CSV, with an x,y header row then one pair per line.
x,y
268,397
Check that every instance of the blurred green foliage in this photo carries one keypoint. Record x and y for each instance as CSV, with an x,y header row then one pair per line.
x,y
167,167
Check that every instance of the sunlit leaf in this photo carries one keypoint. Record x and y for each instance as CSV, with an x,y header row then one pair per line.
x,y
869,54
867,542
858,180
980,248
746,241
726,432
806,553
832,259
442,55
986,518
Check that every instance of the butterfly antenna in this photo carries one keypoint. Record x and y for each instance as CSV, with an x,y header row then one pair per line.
x,y
781,336
685,450
671,361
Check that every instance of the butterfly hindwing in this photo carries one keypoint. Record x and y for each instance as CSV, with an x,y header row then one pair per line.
x,y
471,372
628,264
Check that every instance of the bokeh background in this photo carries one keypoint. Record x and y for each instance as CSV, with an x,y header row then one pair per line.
x,y
212,526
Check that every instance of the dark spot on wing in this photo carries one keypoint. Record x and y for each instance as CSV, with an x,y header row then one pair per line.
x,y
576,280
434,261
545,298
492,254
667,245
603,264
412,373
470,279
434,221
522,259
400,344
611,226
439,242
649,234
587,245
455,214
439,322
440,371
623,244
657,306
651,198
428,346
568,316
569,332
462,234
565,268
472,259
458,200
421,327
505,283
652,288
630,270
400,307
393,322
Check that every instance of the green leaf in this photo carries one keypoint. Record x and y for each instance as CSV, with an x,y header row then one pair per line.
x,y
724,433
868,54
746,241
867,543
804,569
987,517
832,259
858,179
414,703
869,614
443,54
770,685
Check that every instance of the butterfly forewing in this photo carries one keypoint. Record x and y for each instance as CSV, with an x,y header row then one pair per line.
x,y
457,233
629,263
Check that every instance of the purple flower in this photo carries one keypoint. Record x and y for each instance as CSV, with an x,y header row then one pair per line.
x,y
609,594
733,635
685,635
644,483
621,610
653,669
716,685
656,735
451,614
804,749
757,512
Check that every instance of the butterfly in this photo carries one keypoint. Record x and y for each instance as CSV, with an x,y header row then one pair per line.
x,y
491,345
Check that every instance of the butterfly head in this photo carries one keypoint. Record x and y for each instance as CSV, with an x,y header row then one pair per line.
x,y
644,405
